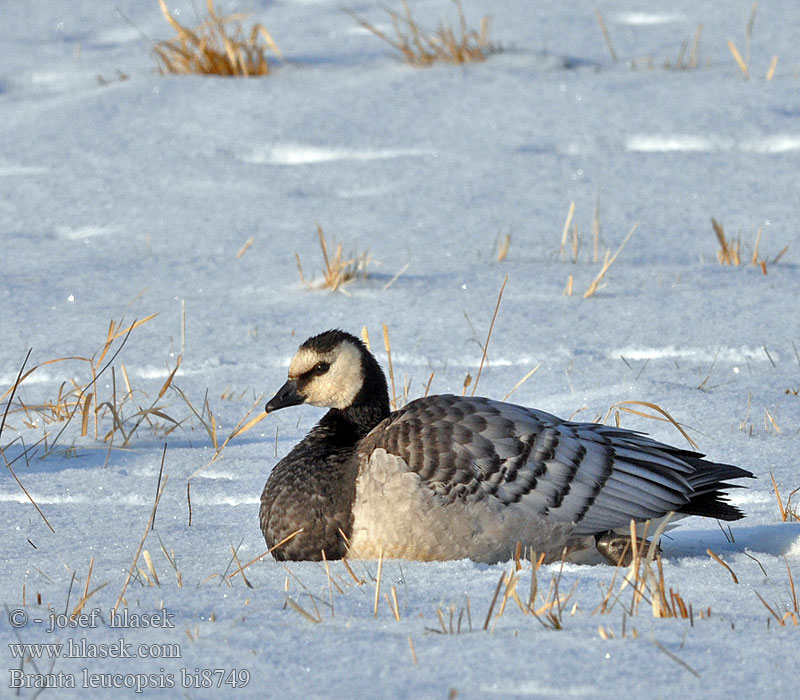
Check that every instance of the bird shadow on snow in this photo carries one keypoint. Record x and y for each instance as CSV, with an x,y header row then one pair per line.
x,y
776,540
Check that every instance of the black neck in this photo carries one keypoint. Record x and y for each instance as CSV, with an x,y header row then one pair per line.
x,y
372,401
357,420
370,406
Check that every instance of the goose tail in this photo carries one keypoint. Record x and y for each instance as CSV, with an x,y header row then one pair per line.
x,y
709,486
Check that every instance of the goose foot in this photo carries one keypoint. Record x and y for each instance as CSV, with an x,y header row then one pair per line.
x,y
616,549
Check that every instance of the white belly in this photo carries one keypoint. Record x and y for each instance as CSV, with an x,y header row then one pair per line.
x,y
395,515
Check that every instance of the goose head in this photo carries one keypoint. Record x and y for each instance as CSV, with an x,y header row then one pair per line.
x,y
333,370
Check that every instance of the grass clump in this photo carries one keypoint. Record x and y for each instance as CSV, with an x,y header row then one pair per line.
x,y
571,245
422,48
102,418
729,252
743,61
339,270
220,45
688,57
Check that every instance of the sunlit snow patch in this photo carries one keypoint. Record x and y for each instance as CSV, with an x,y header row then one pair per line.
x,y
225,500
14,170
780,143
647,18
362,191
81,232
676,142
359,30
749,497
722,354
42,498
535,688
299,154
777,143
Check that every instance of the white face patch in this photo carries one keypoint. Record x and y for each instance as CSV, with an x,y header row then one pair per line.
x,y
336,388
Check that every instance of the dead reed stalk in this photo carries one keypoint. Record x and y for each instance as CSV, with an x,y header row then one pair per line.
x,y
787,511
663,415
609,260
489,335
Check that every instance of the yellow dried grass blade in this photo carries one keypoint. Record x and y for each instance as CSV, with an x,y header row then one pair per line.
x,y
135,324
595,285
565,231
262,31
179,29
772,66
717,559
738,58
778,496
244,428
725,254
522,381
623,405
170,378
299,609
152,569
489,335
85,417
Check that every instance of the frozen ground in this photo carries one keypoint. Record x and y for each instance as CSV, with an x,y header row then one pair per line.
x,y
126,198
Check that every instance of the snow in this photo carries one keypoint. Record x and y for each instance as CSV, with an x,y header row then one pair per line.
x,y
132,195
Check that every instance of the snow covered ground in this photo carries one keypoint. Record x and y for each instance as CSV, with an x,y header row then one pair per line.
x,y
125,193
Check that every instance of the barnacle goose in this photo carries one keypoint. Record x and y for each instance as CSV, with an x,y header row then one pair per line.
x,y
451,477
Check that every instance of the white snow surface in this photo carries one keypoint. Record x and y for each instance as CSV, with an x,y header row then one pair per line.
x,y
123,198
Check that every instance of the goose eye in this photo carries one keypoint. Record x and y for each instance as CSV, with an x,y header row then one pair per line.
x,y
321,368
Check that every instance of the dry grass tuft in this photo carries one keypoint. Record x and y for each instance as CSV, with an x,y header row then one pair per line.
x,y
728,253
81,398
636,586
422,48
690,60
688,55
570,248
114,417
220,45
743,61
209,422
644,578
730,250
339,271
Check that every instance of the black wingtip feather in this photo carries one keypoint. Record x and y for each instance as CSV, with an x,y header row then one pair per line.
x,y
709,485
711,505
